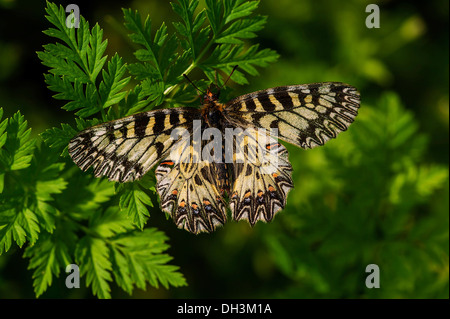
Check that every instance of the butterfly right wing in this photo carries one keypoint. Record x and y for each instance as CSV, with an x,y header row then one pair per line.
x,y
125,149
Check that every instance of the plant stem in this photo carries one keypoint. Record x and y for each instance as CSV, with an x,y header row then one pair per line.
x,y
187,71
193,64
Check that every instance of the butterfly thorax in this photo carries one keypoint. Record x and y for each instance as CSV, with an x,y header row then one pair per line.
x,y
212,110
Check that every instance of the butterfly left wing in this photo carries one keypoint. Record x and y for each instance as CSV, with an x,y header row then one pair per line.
x,y
188,190
125,149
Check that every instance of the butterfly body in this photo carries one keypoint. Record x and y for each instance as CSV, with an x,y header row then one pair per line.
x,y
251,167
213,114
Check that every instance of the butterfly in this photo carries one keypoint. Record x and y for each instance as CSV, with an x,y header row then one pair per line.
x,y
250,172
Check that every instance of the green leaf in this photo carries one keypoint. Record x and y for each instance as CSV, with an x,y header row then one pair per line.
x,y
175,70
110,89
237,9
94,51
47,257
133,103
93,254
193,35
45,264
110,223
17,226
60,66
213,12
242,29
141,34
153,90
26,202
18,146
45,191
158,55
226,56
76,63
85,195
222,13
2,182
81,96
83,124
44,182
82,57
58,138
134,200
138,258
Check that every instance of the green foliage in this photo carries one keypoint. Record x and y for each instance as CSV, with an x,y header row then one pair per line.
x,y
15,142
58,138
134,199
161,63
76,63
19,218
66,216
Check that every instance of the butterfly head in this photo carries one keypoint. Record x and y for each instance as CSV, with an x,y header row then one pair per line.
x,y
210,96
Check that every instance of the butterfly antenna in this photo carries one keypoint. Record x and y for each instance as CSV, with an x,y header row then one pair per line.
x,y
193,84
234,68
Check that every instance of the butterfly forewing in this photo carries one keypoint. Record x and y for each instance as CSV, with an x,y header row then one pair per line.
x,y
125,149
305,115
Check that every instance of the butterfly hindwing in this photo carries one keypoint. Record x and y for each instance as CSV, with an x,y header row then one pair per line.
x,y
125,149
188,190
304,115
262,177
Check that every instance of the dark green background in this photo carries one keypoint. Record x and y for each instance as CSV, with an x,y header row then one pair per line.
x,y
321,243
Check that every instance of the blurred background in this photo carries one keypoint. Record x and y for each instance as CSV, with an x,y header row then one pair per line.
x,y
376,195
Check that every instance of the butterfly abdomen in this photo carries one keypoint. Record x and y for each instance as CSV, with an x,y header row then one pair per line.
x,y
223,177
